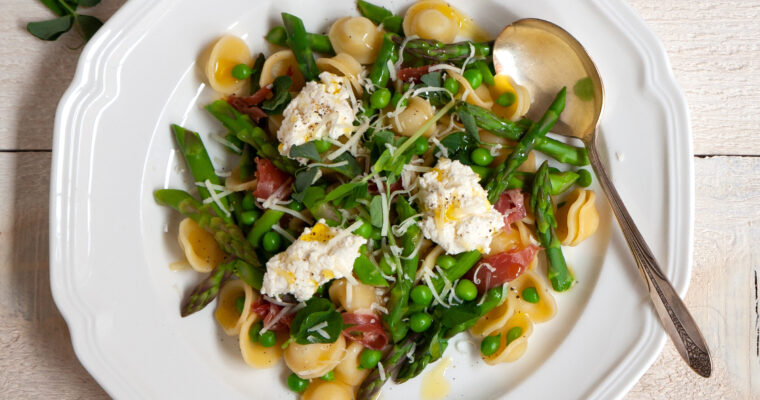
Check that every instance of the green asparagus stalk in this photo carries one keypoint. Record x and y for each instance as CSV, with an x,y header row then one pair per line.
x,y
398,300
543,209
319,43
249,133
299,43
207,290
500,180
381,15
379,74
227,234
562,152
391,363
263,225
435,52
560,181
430,347
200,166
465,261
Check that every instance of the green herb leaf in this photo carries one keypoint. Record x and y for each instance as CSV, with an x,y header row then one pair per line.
x,y
317,311
351,169
432,79
55,7
306,150
51,29
89,25
342,191
88,3
281,96
312,196
376,211
305,178
367,272
258,65
470,126
459,145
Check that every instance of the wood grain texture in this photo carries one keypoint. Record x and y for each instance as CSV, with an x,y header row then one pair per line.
x,y
713,49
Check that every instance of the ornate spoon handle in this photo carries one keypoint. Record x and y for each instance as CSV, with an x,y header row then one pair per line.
x,y
678,322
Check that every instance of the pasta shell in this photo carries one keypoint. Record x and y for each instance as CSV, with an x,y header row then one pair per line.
x,y
254,354
281,63
225,54
311,361
358,37
515,349
322,390
360,298
494,319
546,307
480,97
417,112
226,311
348,370
343,64
234,183
505,84
435,19
578,218
201,249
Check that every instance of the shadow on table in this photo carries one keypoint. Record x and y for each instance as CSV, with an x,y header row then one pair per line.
x,y
38,358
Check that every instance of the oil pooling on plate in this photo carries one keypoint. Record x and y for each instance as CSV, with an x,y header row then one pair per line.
x,y
434,383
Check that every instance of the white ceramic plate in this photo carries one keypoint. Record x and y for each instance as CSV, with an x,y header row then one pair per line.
x,y
110,249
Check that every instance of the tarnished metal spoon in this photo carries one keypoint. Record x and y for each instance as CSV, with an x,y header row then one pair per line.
x,y
543,57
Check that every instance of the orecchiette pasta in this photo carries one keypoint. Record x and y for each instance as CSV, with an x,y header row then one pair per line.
x,y
226,312
494,319
432,19
321,390
278,64
223,55
544,309
201,249
358,37
480,97
578,218
509,352
504,84
343,64
254,354
417,112
428,262
516,238
353,298
311,361
348,370
234,183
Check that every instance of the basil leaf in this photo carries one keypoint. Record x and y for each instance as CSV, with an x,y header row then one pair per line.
x,y
281,96
305,178
306,150
376,211
367,272
89,25
318,311
432,79
51,29
470,126
459,145
312,196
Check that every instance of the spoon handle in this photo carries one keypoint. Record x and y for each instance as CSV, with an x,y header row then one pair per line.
x,y
678,322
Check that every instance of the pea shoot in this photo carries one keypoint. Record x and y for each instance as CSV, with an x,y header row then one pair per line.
x,y
481,157
422,295
530,295
369,358
296,383
420,322
466,290
490,344
241,71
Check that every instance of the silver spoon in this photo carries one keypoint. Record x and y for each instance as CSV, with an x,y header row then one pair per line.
x,y
543,57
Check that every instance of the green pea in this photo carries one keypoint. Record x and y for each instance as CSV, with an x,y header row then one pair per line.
x,y
530,295
420,322
483,172
380,98
446,261
241,71
513,334
322,145
239,304
249,217
330,376
296,383
474,77
422,295
466,290
271,241
481,156
369,358
296,206
249,202
365,230
397,98
584,178
451,85
490,344
421,146
253,331
267,339
506,99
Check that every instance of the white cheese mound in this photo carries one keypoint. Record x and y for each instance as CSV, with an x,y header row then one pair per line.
x,y
458,215
320,254
320,110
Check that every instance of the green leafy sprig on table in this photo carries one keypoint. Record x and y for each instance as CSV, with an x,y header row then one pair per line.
x,y
68,17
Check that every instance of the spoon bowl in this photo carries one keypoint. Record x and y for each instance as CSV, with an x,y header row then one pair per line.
x,y
544,58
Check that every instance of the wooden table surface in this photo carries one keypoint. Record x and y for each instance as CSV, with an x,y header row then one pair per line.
x,y
714,48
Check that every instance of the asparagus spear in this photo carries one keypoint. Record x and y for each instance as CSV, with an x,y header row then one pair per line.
x,y
379,74
391,363
200,166
435,52
207,290
263,225
227,234
249,133
543,209
299,43
500,180
381,15
319,43
562,152
399,295
560,181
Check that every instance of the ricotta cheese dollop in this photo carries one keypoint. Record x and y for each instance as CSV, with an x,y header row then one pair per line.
x,y
320,254
458,215
321,109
